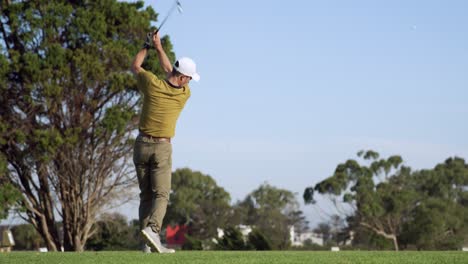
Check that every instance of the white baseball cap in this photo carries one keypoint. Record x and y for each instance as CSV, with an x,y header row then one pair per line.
x,y
187,66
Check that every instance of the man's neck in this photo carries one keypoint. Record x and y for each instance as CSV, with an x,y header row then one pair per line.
x,y
174,81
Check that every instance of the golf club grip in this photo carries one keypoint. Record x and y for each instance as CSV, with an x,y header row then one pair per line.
x,y
158,28
176,5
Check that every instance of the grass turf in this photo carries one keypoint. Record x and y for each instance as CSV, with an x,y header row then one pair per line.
x,y
238,257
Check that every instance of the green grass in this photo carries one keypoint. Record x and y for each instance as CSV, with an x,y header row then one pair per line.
x,y
238,257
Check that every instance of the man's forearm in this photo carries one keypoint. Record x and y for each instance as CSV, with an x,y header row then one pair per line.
x,y
163,59
138,61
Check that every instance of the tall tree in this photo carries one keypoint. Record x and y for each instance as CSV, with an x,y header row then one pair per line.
x,y
198,201
272,211
68,108
380,193
325,230
439,222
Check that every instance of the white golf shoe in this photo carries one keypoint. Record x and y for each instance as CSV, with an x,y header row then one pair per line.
x,y
154,241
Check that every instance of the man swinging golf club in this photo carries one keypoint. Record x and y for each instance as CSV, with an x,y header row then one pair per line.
x,y
163,100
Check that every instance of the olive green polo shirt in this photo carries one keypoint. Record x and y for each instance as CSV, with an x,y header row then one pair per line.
x,y
162,104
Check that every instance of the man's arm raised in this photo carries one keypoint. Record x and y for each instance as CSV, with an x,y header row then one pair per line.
x,y
163,59
138,61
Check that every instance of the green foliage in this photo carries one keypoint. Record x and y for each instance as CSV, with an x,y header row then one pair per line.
x,y
439,222
309,245
26,237
366,239
196,199
308,196
272,211
267,197
258,241
9,195
232,240
192,243
382,201
113,233
425,209
324,229
69,105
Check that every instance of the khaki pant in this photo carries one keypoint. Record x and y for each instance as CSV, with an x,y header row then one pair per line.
x,y
153,162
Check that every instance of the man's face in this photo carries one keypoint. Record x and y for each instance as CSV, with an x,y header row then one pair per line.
x,y
184,79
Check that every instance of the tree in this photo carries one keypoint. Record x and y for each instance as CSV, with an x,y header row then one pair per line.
x,y
439,222
232,240
297,219
258,241
69,105
333,232
112,233
325,230
196,200
337,228
365,238
272,211
381,193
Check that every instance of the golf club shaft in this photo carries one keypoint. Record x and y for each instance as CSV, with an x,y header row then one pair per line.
x,y
167,16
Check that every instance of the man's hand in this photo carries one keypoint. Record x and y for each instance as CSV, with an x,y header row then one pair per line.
x,y
157,40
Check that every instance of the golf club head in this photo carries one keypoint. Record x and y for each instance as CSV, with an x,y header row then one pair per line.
x,y
179,7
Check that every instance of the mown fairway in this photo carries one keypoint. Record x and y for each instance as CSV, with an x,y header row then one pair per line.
x,y
207,257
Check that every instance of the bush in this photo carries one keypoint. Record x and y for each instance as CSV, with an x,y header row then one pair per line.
x,y
258,241
26,237
232,240
192,243
113,233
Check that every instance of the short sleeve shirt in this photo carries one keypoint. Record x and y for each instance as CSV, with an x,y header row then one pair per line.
x,y
162,104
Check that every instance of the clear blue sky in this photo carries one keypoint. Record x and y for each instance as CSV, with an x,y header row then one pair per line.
x,y
289,89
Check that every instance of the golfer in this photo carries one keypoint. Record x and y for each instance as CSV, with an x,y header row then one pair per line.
x,y
163,100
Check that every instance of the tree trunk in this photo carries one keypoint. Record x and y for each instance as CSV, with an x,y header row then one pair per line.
x,y
78,246
378,231
38,204
395,243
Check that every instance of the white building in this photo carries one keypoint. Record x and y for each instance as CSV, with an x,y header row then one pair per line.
x,y
298,239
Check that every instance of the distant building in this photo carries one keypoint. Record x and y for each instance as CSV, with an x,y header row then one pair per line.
x,y
6,239
298,239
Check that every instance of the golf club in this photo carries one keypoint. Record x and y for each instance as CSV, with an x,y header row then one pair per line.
x,y
177,6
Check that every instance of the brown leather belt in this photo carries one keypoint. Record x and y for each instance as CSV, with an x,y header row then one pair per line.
x,y
157,139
